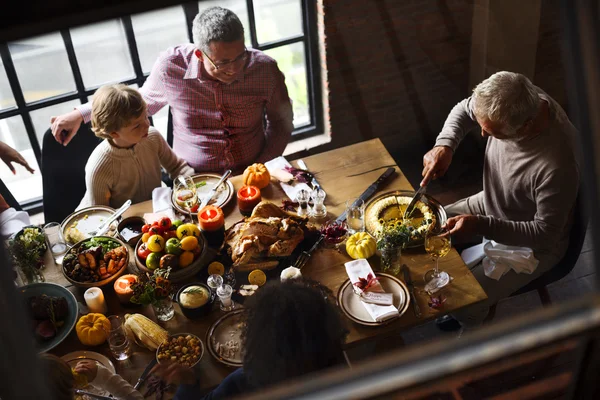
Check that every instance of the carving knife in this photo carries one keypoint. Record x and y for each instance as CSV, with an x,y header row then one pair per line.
x,y
314,182
411,288
213,191
144,375
370,190
413,202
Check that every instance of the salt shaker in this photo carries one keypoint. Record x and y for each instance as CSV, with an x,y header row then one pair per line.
x,y
318,197
302,197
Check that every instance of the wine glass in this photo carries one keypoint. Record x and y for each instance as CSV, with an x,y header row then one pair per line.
x,y
185,192
437,244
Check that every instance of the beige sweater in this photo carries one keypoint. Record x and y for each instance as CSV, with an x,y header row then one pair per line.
x,y
114,175
529,186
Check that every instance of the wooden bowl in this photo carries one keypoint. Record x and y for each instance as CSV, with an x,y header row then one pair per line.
x,y
103,282
180,274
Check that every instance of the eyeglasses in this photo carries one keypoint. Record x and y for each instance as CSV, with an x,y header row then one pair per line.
x,y
225,64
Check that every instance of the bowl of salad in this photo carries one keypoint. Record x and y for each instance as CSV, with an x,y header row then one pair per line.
x,y
96,261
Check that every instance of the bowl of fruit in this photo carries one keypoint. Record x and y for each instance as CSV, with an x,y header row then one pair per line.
x,y
173,244
334,232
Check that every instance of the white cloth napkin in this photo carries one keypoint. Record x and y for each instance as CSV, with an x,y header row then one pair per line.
x,y
161,199
497,259
361,269
290,190
12,221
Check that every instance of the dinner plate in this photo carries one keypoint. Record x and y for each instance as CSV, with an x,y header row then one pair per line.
x,y
437,209
54,290
352,306
225,329
86,220
222,197
73,358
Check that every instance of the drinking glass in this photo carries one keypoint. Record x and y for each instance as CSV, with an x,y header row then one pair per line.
x,y
56,241
117,339
186,185
355,215
319,209
224,292
214,282
437,244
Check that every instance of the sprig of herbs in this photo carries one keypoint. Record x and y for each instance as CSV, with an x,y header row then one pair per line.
x,y
392,234
151,288
193,291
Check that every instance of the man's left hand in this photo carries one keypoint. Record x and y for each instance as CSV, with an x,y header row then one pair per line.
x,y
462,226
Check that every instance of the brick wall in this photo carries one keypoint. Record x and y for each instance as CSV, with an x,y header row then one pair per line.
x,y
395,68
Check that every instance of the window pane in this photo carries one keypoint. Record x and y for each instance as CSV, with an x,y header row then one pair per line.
x,y
23,186
292,63
238,7
41,117
7,99
102,53
277,19
156,31
42,66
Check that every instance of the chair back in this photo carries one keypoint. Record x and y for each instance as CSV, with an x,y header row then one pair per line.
x,y
567,263
63,172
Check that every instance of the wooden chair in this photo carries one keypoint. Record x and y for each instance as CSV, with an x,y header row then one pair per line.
x,y
565,266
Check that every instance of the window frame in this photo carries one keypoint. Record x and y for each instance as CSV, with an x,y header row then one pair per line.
x,y
22,108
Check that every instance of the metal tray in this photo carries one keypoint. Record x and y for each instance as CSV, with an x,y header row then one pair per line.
x,y
223,330
432,203
95,216
221,198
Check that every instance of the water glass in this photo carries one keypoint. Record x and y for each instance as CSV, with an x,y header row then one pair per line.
x,y
355,215
214,282
117,339
224,292
56,241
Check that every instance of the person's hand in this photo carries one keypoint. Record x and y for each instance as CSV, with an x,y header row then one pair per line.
x,y
462,226
436,163
174,373
88,368
65,126
10,155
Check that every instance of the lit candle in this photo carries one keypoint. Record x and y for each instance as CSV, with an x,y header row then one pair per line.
x,y
212,224
94,298
248,197
123,287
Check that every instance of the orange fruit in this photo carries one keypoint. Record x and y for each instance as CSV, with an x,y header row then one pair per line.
x,y
186,258
216,267
257,277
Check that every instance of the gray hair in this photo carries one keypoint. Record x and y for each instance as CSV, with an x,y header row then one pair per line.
x,y
216,24
507,98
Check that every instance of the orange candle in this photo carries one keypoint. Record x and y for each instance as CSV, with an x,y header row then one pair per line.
x,y
211,218
248,197
123,287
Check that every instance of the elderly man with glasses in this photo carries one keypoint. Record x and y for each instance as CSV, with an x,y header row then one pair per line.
x,y
530,182
230,105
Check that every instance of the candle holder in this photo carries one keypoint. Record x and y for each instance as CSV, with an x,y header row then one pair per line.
x,y
123,288
319,209
212,224
248,197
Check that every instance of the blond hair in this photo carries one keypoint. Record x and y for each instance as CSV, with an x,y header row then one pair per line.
x,y
507,98
114,107
59,377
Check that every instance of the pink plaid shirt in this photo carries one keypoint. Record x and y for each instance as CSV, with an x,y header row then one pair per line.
x,y
218,126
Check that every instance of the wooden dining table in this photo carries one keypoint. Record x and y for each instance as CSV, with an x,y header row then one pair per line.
x,y
343,173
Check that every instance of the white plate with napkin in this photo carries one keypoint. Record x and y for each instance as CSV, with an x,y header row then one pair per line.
x,y
292,190
371,314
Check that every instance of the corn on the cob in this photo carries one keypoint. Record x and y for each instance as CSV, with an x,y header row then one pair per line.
x,y
145,332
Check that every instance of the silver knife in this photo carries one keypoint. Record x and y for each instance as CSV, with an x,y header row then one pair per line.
x,y
370,190
212,191
144,375
413,202
106,224
411,288
314,182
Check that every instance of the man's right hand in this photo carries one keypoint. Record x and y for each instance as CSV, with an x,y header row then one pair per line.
x,y
436,163
65,126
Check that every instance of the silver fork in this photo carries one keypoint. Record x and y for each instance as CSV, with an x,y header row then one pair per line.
x,y
305,255
101,230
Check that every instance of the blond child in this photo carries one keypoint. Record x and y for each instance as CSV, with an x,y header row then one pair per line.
x,y
127,165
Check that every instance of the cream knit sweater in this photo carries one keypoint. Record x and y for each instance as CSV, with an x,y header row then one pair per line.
x,y
114,175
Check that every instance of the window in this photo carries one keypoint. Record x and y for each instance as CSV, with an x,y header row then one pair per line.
x,y
49,75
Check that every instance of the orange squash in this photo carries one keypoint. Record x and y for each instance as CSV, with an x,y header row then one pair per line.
x,y
92,329
257,175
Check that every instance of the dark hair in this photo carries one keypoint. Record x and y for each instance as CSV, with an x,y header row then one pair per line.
x,y
292,329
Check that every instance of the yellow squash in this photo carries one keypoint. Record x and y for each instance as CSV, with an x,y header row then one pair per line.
x,y
361,245
257,175
92,329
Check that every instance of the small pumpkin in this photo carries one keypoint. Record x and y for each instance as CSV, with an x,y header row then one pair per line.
x,y
92,329
361,245
257,175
